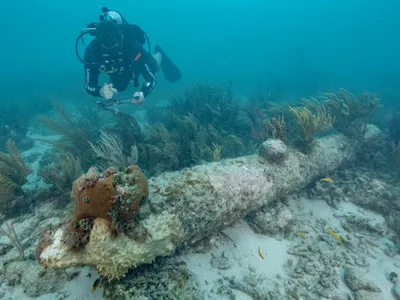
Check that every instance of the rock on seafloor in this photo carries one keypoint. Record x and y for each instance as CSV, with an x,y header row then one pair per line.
x,y
396,291
188,205
355,280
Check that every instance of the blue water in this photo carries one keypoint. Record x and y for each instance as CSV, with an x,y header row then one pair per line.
x,y
306,45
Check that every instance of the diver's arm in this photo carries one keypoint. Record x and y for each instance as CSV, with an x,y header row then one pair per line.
x,y
92,57
91,81
150,80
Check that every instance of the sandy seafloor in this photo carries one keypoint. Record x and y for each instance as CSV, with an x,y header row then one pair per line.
x,y
234,254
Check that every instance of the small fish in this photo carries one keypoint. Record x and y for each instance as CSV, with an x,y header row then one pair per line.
x,y
335,235
96,284
301,234
327,179
250,220
259,253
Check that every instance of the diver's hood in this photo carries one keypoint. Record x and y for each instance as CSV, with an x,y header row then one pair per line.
x,y
112,16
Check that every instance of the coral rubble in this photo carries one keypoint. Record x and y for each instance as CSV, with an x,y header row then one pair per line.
x,y
170,279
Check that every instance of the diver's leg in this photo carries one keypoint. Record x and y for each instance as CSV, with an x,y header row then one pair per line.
x,y
170,70
158,59
154,62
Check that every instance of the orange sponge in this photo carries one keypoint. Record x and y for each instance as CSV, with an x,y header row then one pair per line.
x,y
112,195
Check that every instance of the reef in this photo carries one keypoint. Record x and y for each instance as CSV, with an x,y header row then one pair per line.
x,y
186,206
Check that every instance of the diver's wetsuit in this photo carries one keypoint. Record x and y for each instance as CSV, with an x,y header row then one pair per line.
x,y
123,65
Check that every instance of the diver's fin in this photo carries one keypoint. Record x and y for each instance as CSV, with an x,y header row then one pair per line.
x,y
170,70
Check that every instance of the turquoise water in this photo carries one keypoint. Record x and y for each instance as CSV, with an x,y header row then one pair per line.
x,y
305,44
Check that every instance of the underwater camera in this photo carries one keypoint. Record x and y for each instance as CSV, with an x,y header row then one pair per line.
x,y
106,16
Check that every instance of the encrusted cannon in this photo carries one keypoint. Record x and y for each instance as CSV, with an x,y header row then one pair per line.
x,y
188,205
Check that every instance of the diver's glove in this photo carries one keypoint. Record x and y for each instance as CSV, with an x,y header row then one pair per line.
x,y
138,98
107,91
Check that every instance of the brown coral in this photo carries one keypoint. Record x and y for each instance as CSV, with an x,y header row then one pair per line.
x,y
93,196
113,196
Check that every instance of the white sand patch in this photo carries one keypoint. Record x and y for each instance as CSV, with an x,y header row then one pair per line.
x,y
42,144
318,208
242,256
380,267
81,287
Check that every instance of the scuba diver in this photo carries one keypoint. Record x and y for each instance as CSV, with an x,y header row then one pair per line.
x,y
117,50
